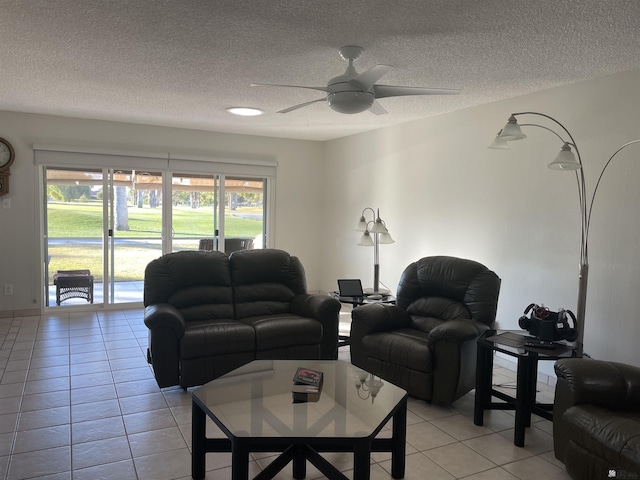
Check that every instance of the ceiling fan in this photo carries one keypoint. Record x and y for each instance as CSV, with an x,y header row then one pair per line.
x,y
354,92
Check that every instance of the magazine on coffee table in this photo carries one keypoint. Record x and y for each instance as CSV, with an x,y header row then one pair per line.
x,y
307,385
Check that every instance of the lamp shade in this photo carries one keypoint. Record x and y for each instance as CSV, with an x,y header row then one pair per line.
x,y
499,143
565,160
362,224
366,240
386,238
378,226
512,131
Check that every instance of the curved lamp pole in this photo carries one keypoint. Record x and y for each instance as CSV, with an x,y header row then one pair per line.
x,y
566,160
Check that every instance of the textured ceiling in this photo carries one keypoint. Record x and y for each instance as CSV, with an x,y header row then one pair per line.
x,y
182,63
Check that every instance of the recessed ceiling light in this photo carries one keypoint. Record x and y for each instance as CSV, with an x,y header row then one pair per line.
x,y
245,111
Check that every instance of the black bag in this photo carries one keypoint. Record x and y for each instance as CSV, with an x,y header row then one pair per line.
x,y
547,325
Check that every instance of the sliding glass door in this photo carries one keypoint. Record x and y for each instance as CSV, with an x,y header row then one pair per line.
x,y
134,235
103,226
194,211
217,212
73,236
244,213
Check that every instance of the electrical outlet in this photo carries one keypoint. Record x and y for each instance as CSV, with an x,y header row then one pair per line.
x,y
8,289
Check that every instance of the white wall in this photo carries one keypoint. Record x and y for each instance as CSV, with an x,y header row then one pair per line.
x,y
437,186
442,192
298,197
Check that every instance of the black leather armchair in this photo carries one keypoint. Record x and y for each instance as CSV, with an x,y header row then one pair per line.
x,y
426,343
596,418
209,313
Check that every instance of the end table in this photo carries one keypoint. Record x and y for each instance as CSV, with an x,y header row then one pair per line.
x,y
513,344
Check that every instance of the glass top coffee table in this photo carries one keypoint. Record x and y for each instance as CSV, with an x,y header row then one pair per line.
x,y
254,408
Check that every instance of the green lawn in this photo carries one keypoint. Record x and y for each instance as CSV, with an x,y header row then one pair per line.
x,y
77,221
85,220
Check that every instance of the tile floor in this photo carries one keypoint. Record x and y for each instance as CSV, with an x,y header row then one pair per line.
x,y
78,401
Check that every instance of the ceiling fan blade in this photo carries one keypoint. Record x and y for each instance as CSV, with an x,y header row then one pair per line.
x,y
366,79
377,108
300,105
322,89
382,91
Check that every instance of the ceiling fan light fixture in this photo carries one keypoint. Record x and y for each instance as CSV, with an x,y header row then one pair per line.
x,y
350,102
245,111
354,92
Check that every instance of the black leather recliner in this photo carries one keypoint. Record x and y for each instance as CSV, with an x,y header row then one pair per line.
x,y
426,343
596,418
209,313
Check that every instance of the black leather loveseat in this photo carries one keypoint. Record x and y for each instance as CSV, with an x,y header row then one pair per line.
x,y
209,313
596,418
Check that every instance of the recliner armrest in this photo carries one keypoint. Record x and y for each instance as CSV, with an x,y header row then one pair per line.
x,y
453,346
377,317
164,315
369,319
457,331
611,385
326,310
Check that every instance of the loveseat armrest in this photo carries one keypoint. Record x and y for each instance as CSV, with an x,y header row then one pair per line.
x,y
164,315
326,310
166,328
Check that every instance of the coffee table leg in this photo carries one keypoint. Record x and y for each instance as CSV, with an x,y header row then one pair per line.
x,y
299,464
198,441
362,460
239,461
399,439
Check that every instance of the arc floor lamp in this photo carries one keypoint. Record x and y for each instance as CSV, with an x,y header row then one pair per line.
x,y
374,236
566,160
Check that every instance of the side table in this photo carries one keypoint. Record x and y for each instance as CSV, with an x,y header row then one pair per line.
x,y
343,340
524,403
73,284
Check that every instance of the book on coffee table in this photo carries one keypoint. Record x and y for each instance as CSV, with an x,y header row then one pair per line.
x,y
307,385
307,376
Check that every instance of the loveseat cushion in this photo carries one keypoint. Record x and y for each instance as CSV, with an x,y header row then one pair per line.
x,y
203,338
611,435
197,283
284,330
265,281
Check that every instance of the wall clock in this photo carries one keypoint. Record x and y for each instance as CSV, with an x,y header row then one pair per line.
x,y
7,156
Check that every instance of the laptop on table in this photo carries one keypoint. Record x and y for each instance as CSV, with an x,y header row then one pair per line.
x,y
350,290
